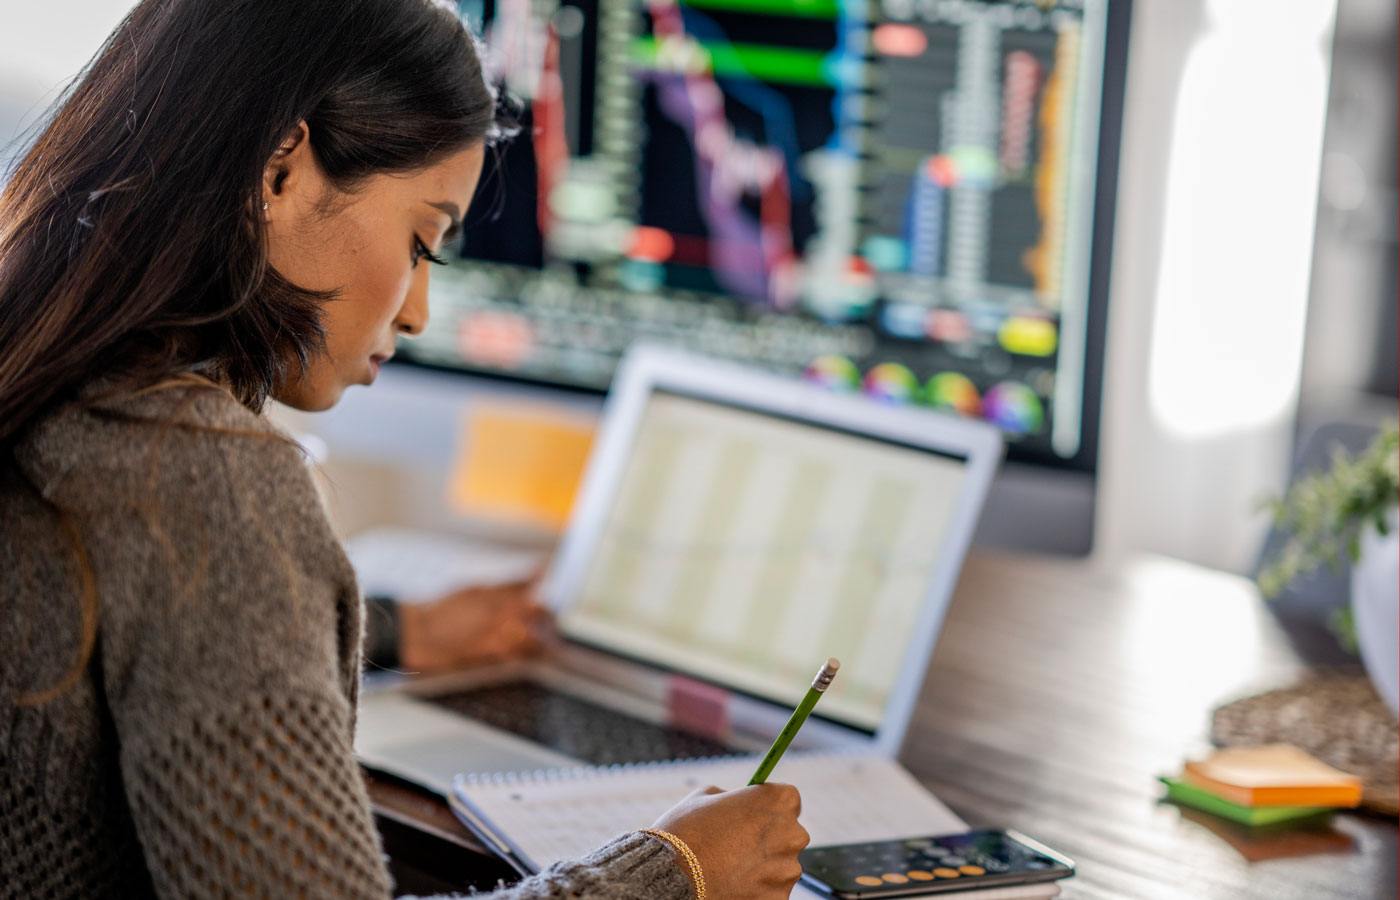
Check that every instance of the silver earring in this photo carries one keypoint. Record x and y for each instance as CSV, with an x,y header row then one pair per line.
x,y
264,206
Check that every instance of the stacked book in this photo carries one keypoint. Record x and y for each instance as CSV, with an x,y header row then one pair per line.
x,y
1265,785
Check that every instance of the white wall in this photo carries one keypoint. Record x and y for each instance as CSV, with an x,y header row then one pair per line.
x,y
42,46
1355,254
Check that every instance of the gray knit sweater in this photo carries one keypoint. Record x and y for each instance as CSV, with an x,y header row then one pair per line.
x,y
205,748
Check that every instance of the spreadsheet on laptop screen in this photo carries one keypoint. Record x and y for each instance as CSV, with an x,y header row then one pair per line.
x,y
744,548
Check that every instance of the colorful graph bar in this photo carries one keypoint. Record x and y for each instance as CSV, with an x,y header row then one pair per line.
x,y
926,213
804,9
758,61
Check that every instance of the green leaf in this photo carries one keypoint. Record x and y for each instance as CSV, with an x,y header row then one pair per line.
x,y
1324,513
1342,624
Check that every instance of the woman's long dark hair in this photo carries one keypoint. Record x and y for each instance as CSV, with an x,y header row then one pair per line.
x,y
131,243
129,239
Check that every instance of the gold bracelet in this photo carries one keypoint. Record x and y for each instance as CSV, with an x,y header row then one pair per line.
x,y
687,854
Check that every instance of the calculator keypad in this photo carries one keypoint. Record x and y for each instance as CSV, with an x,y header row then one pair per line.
x,y
968,857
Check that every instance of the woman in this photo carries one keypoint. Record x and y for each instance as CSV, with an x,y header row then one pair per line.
x,y
239,201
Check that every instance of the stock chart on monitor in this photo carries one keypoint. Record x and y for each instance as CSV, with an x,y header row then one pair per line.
x,y
893,197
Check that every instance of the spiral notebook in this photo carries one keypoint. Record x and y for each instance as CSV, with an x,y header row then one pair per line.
x,y
533,819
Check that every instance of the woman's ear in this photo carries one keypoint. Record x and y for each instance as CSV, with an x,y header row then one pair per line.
x,y
292,174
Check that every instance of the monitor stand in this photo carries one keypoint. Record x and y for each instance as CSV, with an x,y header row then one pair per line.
x,y
1031,508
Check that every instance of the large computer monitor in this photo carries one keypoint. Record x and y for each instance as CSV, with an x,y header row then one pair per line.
x,y
912,199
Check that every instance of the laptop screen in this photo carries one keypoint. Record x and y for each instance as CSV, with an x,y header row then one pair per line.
x,y
744,548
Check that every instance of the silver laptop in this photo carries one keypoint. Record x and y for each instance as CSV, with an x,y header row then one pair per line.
x,y
733,530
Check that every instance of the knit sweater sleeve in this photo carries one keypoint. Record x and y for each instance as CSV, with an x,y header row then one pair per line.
x,y
228,650
632,866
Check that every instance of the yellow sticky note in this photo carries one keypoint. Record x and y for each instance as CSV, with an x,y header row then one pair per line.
x,y
523,465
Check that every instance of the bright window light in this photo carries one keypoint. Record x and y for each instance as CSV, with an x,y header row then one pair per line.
x,y
1227,339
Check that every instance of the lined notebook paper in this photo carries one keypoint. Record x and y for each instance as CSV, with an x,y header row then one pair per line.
x,y
542,817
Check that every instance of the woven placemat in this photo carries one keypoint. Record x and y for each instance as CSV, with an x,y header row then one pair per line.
x,y
1338,718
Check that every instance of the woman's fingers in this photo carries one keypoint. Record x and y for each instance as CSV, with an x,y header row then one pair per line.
x,y
747,840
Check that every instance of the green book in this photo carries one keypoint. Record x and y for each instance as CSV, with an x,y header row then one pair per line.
x,y
1190,795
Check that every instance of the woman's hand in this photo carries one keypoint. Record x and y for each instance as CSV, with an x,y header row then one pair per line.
x,y
747,840
470,627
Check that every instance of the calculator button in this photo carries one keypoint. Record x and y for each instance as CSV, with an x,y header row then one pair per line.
x,y
947,873
972,870
869,881
894,878
954,861
920,875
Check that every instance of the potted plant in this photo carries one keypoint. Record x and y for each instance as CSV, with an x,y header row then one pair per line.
x,y
1351,510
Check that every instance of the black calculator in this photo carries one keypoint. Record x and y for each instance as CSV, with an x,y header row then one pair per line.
x,y
929,865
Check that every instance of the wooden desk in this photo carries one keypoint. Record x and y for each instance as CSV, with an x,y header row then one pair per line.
x,y
1059,691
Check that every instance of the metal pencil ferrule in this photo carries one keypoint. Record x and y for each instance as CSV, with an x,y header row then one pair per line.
x,y
825,675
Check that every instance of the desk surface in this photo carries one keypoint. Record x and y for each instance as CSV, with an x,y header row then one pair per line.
x,y
1059,690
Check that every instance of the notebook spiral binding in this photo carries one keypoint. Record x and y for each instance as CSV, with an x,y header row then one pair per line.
x,y
582,773
594,773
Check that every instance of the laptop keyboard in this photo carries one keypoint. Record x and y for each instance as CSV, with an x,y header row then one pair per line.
x,y
576,727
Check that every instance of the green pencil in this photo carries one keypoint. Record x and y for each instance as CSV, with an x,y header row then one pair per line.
x,y
799,715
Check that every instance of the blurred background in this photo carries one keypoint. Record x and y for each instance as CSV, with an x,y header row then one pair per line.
x,y
1156,322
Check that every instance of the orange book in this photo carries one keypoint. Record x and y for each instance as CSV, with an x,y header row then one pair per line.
x,y
1273,775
